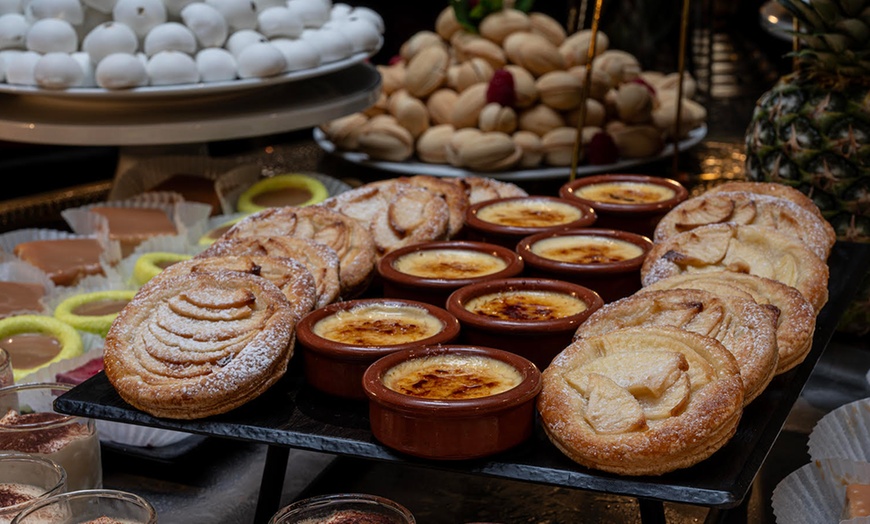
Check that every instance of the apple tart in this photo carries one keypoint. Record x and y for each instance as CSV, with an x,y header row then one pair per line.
x,y
320,260
396,212
480,188
349,238
795,323
770,188
744,207
452,193
291,276
745,328
641,400
199,344
756,250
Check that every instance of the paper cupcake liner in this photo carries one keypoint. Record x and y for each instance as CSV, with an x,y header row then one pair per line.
x,y
138,436
111,249
816,492
183,214
843,433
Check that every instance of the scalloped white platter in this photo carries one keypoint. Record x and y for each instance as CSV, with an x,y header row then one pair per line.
x,y
421,168
189,90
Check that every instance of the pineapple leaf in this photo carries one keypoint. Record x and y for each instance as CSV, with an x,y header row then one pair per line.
x,y
828,11
836,43
803,13
852,7
469,13
856,29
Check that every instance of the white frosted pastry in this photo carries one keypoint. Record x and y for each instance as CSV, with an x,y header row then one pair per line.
x,y
108,38
87,65
13,31
170,36
216,64
19,67
140,15
207,23
121,71
69,10
299,54
239,14
171,68
57,71
261,60
312,13
330,43
280,21
362,33
52,35
242,39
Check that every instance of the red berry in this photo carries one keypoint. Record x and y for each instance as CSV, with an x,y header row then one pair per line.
x,y
395,60
601,150
646,84
501,89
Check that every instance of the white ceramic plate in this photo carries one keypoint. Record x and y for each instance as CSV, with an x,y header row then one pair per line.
x,y
187,90
421,168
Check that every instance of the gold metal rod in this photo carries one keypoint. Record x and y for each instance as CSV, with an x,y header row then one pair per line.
x,y
795,42
681,68
584,93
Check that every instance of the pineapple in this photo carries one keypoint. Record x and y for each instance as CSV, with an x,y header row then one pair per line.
x,y
812,129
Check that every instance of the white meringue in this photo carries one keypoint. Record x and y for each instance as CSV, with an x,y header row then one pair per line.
x,y
121,71
239,14
260,60
13,31
242,39
19,67
170,36
69,10
216,64
108,38
140,15
276,22
330,43
57,71
299,54
171,68
312,13
52,35
207,23
84,60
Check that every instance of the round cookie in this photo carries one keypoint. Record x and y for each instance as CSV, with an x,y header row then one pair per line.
x,y
93,312
65,336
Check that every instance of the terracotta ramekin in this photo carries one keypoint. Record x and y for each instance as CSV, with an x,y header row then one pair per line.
x,y
549,209
454,260
612,279
452,429
633,214
337,368
538,340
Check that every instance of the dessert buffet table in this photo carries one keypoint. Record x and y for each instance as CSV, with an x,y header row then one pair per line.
x,y
294,415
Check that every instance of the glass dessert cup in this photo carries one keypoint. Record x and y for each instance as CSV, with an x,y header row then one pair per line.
x,y
89,505
25,480
29,424
316,509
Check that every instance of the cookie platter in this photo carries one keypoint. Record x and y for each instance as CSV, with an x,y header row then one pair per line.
x,y
293,414
694,137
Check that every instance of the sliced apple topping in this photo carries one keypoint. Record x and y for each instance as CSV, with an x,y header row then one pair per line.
x,y
610,408
700,212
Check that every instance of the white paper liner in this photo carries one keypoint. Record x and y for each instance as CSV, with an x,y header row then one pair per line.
x,y
816,492
111,249
17,271
234,182
135,175
843,433
183,215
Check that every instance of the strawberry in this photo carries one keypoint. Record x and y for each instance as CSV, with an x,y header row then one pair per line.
x,y
501,89
601,150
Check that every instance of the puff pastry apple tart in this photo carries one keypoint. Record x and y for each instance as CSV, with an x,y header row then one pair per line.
x,y
744,328
320,260
772,189
349,238
199,344
795,323
756,250
743,207
641,401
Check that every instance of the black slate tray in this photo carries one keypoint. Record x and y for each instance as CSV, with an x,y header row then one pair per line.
x,y
294,415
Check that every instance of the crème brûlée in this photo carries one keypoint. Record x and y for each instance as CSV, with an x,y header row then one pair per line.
x,y
529,212
526,305
378,325
586,249
449,264
625,193
452,377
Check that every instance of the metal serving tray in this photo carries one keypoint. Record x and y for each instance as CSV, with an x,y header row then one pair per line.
x,y
294,415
